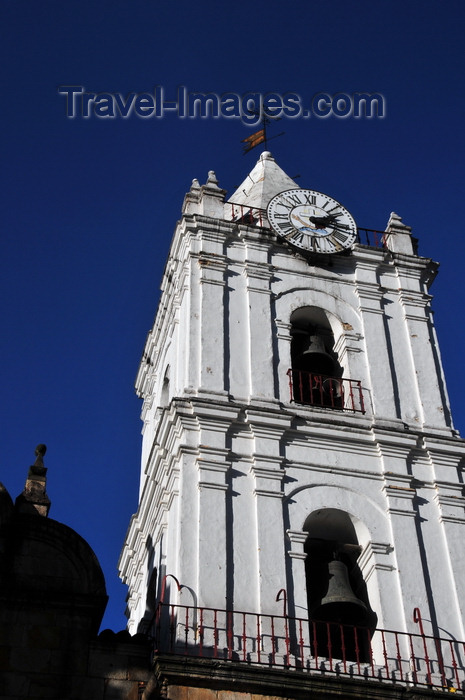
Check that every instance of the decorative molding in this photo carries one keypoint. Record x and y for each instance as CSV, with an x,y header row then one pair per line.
x,y
213,486
268,494
283,329
297,555
451,503
297,539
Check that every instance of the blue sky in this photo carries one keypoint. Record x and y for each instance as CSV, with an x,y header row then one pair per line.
x,y
89,206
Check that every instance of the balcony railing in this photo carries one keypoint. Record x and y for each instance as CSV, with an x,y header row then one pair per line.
x,y
372,237
241,214
327,392
253,216
317,647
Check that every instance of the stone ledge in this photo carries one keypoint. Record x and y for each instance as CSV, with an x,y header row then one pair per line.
x,y
180,677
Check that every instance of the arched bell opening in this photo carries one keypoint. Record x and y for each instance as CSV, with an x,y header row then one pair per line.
x,y
316,372
341,619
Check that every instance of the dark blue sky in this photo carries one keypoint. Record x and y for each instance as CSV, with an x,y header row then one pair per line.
x,y
89,206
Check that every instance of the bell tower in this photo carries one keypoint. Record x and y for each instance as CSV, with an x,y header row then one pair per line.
x,y
298,443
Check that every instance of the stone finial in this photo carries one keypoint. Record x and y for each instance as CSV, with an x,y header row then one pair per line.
x,y
34,498
396,224
191,200
394,217
212,179
38,466
211,201
399,238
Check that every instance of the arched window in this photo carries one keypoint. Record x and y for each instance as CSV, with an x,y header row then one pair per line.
x,y
342,620
316,372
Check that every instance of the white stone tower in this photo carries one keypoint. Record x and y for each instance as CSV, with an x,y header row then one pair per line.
x,y
295,414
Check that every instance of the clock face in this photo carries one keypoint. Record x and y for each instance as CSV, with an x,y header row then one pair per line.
x,y
312,221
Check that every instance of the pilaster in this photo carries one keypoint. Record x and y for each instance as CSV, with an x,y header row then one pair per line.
x,y
408,548
268,476
258,276
213,531
431,387
377,563
448,500
212,325
378,357
283,358
297,556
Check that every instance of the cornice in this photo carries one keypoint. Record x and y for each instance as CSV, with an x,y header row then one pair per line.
x,y
376,556
346,472
172,671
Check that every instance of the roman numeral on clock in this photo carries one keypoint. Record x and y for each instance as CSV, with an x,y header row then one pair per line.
x,y
294,199
286,228
310,198
336,247
297,237
340,235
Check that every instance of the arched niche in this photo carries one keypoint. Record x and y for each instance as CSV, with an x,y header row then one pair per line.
x,y
316,373
338,320
377,561
336,591
331,536
312,342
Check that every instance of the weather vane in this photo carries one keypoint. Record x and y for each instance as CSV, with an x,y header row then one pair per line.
x,y
260,136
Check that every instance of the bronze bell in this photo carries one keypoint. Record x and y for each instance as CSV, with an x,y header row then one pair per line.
x,y
340,604
333,387
315,359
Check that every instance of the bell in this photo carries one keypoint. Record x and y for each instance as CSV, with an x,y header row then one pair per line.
x,y
332,387
315,359
340,604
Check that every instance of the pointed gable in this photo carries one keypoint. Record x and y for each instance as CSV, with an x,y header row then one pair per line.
x,y
265,181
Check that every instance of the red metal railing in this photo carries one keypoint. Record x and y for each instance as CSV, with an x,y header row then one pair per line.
x,y
317,647
241,214
373,237
328,392
253,216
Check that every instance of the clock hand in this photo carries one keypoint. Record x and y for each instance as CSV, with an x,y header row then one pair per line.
x,y
305,223
341,227
329,220
319,221
322,220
